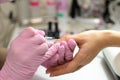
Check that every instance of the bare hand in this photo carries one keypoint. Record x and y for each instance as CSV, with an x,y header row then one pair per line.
x,y
89,43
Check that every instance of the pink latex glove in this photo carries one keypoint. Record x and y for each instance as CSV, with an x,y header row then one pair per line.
x,y
26,53
63,55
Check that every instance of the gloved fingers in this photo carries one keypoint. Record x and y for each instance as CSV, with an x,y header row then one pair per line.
x,y
42,49
42,33
28,32
72,44
68,53
61,53
38,39
51,51
52,62
50,44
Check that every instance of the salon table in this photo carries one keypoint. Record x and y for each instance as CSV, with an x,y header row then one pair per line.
x,y
96,70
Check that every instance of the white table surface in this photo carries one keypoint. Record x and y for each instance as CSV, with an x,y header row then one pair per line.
x,y
96,70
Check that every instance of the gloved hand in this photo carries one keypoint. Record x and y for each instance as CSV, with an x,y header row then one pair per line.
x,y
63,55
26,53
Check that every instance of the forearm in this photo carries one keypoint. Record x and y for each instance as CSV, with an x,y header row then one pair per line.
x,y
3,54
110,38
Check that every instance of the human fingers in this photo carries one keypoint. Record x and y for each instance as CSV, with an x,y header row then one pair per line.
x,y
52,62
63,69
57,59
50,44
67,38
61,53
41,32
51,51
42,49
72,44
77,63
68,54
28,32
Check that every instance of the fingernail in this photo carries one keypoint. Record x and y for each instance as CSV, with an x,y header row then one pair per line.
x,y
72,44
52,75
71,41
47,72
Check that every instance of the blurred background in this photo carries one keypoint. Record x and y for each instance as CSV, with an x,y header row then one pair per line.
x,y
57,17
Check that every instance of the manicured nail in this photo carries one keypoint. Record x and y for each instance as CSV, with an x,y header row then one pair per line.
x,y
47,72
52,75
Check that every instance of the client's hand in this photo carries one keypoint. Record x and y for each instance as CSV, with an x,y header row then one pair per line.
x,y
63,55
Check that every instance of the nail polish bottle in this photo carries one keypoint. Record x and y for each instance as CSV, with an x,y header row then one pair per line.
x,y
51,9
50,31
23,11
75,9
62,8
62,15
56,32
35,11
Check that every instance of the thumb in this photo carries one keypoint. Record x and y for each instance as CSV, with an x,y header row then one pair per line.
x,y
42,33
63,69
72,44
28,32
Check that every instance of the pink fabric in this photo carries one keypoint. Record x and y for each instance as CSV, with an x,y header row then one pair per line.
x,y
29,50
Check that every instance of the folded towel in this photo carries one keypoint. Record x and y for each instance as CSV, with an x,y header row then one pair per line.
x,y
113,56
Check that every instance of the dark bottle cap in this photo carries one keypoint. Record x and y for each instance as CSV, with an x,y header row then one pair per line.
x,y
50,26
56,32
56,27
50,32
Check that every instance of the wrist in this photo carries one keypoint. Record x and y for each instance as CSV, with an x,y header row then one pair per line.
x,y
110,38
12,71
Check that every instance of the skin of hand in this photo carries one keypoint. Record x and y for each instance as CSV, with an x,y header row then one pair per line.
x,y
90,43
26,53
3,54
63,55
